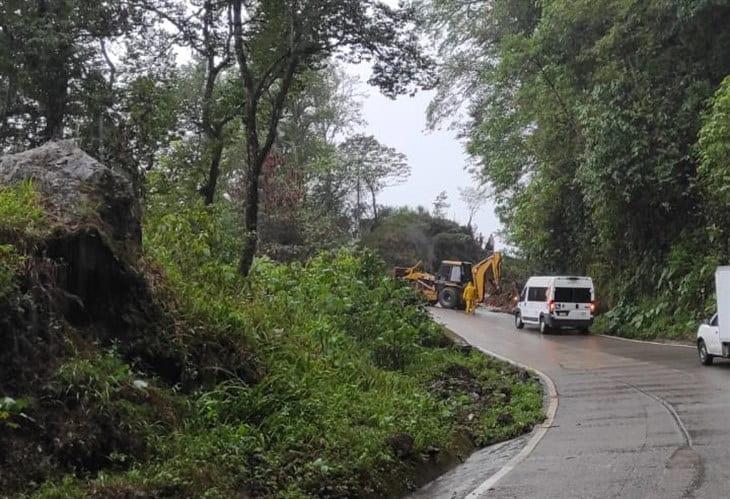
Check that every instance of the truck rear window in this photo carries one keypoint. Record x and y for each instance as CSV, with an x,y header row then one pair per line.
x,y
573,295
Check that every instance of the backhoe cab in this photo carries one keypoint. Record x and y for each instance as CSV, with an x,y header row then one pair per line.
x,y
453,276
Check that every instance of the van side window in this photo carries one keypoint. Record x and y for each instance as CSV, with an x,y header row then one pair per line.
x,y
537,294
523,295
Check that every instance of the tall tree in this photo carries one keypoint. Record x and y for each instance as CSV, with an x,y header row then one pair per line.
x,y
276,41
322,110
584,117
204,27
371,166
440,205
50,52
474,198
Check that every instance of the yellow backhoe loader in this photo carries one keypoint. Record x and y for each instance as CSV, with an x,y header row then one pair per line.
x,y
453,276
447,287
419,279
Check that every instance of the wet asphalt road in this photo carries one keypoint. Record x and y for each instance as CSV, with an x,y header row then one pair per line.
x,y
633,420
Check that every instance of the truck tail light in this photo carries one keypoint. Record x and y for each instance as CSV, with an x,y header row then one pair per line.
x,y
593,307
551,305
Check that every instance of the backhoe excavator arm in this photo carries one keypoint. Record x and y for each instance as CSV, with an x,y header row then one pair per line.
x,y
489,269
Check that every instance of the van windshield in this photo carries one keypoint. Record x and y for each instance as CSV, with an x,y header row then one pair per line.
x,y
573,295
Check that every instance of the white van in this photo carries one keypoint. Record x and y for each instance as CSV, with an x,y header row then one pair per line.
x,y
554,302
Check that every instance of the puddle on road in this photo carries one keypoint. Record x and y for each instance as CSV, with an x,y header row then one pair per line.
x,y
462,480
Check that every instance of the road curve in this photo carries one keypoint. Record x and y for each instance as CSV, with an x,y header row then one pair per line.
x,y
633,420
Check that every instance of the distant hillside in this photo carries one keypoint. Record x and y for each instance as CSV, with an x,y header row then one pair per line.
x,y
404,236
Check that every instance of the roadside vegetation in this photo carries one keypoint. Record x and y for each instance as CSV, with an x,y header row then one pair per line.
x,y
325,378
603,128
188,368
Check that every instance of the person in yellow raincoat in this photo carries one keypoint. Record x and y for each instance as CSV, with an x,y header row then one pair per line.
x,y
470,297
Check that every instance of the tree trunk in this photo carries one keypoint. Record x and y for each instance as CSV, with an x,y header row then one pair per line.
x,y
358,216
208,190
375,206
54,91
54,87
257,152
108,103
251,207
54,113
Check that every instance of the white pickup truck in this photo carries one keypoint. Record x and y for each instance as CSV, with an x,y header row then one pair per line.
x,y
713,336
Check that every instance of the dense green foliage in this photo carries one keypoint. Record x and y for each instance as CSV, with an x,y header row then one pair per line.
x,y
332,380
349,357
586,120
107,74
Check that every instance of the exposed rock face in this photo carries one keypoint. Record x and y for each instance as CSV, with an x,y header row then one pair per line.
x,y
85,272
81,292
77,188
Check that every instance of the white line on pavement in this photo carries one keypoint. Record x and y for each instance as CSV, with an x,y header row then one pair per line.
x,y
538,433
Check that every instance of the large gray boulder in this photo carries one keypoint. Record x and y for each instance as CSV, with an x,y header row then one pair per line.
x,y
79,191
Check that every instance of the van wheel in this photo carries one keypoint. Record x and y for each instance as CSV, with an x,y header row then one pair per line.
x,y
448,298
518,321
544,328
585,330
705,358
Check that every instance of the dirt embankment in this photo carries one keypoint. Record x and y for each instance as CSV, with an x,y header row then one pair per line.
x,y
79,292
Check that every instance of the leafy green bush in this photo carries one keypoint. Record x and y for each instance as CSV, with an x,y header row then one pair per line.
x,y
10,263
346,369
352,366
683,295
10,408
110,416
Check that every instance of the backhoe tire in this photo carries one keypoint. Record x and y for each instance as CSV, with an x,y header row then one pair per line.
x,y
449,298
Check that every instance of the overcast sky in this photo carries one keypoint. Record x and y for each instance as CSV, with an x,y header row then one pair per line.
x,y
437,159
